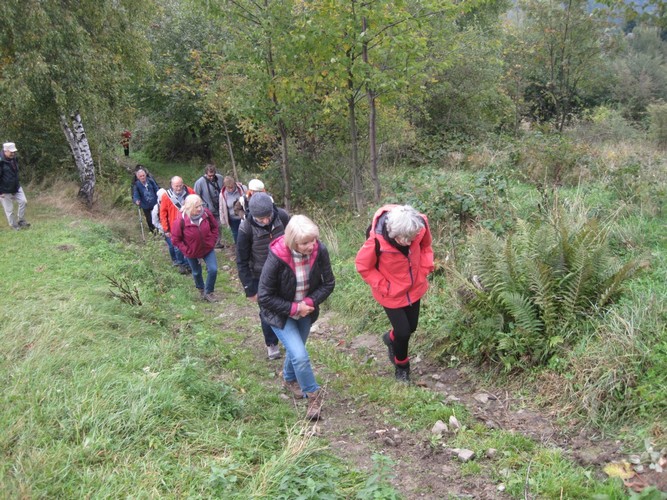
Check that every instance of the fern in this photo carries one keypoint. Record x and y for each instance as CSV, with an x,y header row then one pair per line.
x,y
543,280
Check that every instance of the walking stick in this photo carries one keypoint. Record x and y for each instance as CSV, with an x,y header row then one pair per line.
x,y
141,223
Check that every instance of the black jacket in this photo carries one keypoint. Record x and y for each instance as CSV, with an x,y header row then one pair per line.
x,y
277,284
9,175
252,247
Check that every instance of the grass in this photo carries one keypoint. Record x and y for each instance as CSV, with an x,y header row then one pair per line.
x,y
107,399
103,398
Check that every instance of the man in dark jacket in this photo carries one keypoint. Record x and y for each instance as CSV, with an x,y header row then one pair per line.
x,y
264,223
208,188
10,188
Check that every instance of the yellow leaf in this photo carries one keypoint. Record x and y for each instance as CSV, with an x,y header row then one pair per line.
x,y
619,469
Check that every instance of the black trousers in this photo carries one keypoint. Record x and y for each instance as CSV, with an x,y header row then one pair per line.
x,y
149,219
404,322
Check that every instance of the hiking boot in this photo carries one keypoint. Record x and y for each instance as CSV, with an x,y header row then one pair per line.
x,y
273,351
15,227
24,224
390,347
210,297
315,400
183,269
402,373
292,386
201,292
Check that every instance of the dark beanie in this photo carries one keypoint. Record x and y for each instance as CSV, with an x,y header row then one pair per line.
x,y
261,205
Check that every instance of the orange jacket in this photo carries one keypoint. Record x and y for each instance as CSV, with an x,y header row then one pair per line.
x,y
168,211
396,280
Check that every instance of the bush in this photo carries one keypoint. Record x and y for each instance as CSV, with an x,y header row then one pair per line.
x,y
533,292
658,123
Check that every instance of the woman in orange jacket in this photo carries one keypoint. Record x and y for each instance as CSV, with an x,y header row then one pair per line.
x,y
395,261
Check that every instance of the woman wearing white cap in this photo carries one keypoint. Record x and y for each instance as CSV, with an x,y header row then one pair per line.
x,y
10,188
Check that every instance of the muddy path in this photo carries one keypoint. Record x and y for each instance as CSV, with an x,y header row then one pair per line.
x,y
355,432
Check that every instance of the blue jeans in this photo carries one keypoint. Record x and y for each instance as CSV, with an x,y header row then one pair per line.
x,y
234,226
297,362
177,256
172,251
211,272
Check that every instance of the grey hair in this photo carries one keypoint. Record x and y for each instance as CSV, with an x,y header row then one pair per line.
x,y
300,229
189,204
403,221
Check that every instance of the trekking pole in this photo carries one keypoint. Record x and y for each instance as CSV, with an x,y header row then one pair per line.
x,y
141,223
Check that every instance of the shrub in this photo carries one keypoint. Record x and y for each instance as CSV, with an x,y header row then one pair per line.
x,y
533,292
658,123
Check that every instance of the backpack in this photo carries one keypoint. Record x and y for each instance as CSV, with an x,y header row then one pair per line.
x,y
377,245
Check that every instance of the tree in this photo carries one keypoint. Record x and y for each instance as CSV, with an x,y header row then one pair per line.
x,y
58,57
564,53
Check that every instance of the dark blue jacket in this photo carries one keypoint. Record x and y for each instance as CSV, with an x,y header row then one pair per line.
x,y
147,196
9,175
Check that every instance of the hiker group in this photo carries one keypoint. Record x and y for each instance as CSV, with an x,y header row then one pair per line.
x,y
285,268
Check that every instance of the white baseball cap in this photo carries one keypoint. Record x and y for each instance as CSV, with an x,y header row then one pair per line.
x,y
9,146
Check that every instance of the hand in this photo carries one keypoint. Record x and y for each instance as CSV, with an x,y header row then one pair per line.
x,y
167,234
304,309
137,202
253,298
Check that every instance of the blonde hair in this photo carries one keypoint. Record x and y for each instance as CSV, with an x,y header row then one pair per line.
x,y
190,203
299,229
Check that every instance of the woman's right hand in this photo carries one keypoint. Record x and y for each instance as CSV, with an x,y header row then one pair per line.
x,y
304,309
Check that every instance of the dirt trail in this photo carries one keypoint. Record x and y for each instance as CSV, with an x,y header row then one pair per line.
x,y
356,434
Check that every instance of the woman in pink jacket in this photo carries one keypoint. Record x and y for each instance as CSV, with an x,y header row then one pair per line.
x,y
395,261
195,233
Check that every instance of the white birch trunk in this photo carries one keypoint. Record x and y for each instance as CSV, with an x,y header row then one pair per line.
x,y
78,143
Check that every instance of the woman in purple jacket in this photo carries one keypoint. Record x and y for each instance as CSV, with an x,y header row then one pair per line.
x,y
195,233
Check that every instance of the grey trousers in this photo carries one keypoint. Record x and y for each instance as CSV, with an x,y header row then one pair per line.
x,y
8,204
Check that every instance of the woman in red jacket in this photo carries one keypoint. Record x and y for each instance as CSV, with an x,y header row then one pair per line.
x,y
195,233
395,261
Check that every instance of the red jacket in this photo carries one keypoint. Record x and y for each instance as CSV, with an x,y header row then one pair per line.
x,y
396,280
168,211
195,240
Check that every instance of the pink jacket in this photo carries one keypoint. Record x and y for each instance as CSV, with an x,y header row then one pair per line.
x,y
396,280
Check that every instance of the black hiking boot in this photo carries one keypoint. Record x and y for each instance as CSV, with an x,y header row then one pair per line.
x,y
402,373
390,347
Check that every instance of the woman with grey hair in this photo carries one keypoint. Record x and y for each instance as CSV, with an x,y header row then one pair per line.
x,y
195,233
395,261
295,280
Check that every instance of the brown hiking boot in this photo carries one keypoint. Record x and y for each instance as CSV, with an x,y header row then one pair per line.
x,y
315,400
292,386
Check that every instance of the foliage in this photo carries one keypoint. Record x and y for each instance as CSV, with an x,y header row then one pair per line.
x,y
549,160
640,72
658,117
558,56
56,59
537,288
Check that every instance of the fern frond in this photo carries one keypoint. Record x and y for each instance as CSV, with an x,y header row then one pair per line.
x,y
522,311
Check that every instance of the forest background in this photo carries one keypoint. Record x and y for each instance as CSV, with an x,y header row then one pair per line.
x,y
532,133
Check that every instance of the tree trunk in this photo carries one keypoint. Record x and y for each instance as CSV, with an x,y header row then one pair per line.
x,y
230,150
355,170
287,195
372,124
78,143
